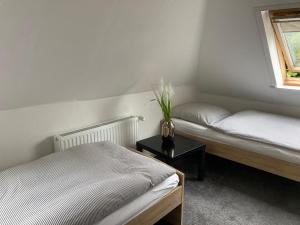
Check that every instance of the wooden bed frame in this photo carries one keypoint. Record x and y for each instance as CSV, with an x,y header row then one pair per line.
x,y
263,162
169,208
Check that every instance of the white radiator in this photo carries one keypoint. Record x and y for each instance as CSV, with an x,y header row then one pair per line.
x,y
123,131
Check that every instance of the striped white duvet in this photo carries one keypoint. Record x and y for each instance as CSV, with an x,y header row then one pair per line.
x,y
79,186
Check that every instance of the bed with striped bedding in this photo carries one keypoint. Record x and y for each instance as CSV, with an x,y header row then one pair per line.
x,y
79,186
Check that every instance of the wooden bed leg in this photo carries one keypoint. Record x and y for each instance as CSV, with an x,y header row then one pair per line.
x,y
175,216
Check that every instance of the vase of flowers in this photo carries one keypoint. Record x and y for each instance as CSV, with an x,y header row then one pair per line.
x,y
164,98
167,130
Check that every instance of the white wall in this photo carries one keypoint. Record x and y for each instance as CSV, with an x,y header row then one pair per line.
x,y
26,133
62,61
232,57
66,50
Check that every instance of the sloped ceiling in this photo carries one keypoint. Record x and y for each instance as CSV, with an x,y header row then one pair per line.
x,y
64,50
232,59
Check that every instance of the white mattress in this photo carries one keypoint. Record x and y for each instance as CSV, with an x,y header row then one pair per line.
x,y
277,130
203,132
140,204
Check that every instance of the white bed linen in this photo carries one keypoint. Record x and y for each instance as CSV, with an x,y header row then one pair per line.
x,y
277,130
82,185
203,132
140,204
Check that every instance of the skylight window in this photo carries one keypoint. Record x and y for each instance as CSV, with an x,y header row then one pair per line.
x,y
286,28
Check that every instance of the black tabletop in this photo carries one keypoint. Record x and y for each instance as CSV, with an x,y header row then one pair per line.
x,y
181,146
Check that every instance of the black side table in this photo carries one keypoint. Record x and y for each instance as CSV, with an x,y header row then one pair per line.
x,y
181,148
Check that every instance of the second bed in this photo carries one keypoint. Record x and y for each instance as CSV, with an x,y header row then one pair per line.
x,y
258,139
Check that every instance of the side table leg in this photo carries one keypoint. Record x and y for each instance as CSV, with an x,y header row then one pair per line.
x,y
139,147
201,164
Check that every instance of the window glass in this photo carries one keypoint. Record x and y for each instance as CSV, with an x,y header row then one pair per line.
x,y
291,36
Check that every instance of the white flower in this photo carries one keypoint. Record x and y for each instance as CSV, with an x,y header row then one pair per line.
x,y
170,90
162,85
164,98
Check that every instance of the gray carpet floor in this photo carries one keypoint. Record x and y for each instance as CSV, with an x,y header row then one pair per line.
x,y
233,194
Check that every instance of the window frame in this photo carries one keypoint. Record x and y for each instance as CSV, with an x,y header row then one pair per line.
x,y
285,13
275,58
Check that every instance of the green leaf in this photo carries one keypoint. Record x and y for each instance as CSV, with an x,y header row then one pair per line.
x,y
292,74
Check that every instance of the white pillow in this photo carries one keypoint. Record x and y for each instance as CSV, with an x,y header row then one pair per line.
x,y
200,113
